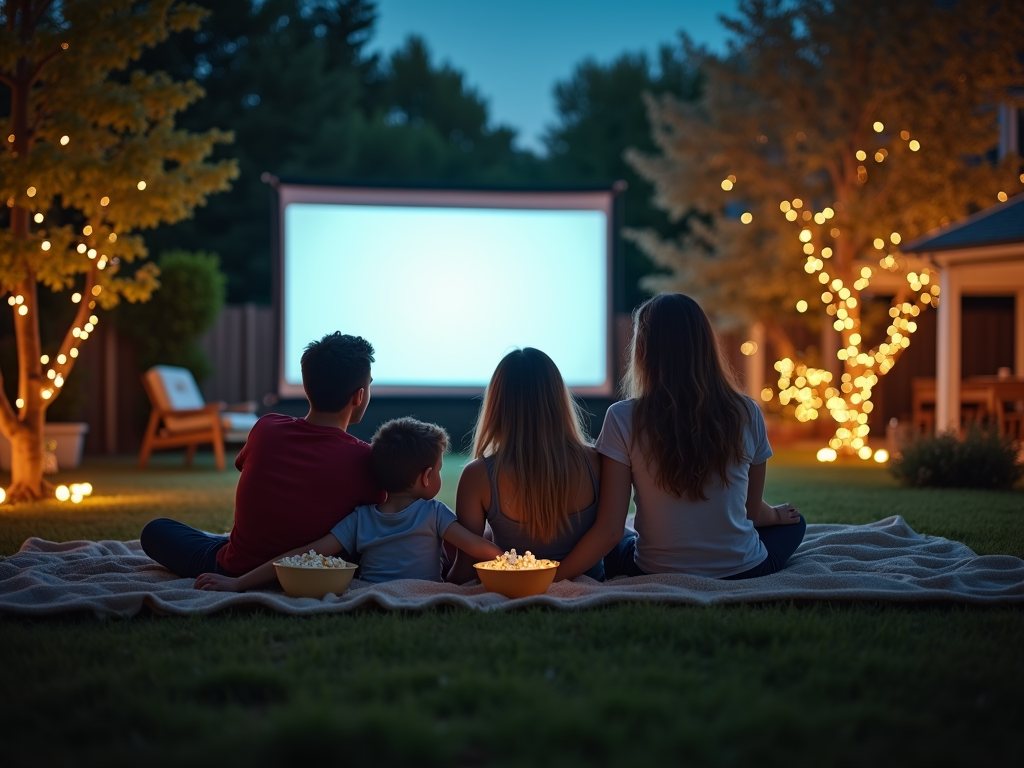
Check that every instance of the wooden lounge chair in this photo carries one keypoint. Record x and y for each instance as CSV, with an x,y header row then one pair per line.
x,y
181,419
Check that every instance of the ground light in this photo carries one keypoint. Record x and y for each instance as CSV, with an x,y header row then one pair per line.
x,y
73,493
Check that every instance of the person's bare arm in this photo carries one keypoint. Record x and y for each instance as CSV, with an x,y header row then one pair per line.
x,y
759,511
606,532
264,574
474,490
470,544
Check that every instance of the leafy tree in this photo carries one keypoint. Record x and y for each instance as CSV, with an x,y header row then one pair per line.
x,y
91,156
831,132
601,114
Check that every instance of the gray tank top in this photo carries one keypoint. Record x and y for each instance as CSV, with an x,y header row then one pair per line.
x,y
509,534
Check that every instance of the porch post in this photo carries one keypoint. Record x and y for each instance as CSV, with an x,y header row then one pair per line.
x,y
1018,333
947,367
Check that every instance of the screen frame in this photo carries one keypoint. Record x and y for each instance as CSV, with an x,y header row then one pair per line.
x,y
606,199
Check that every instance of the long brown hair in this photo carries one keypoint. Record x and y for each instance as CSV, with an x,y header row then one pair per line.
x,y
688,417
531,424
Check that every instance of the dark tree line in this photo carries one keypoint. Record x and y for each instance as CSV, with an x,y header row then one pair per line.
x,y
294,81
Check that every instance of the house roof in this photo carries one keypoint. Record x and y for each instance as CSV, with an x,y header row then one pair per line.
x,y
1003,223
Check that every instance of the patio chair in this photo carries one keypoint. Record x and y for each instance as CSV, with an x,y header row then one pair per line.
x,y
181,419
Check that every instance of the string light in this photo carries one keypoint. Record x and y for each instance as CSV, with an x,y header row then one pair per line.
x,y
878,127
31,191
38,218
104,201
747,217
75,298
807,392
141,185
65,140
1001,197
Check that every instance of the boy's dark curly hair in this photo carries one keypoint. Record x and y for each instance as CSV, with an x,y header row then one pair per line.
x,y
402,448
335,368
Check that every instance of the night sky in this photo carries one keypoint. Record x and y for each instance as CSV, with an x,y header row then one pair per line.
x,y
514,51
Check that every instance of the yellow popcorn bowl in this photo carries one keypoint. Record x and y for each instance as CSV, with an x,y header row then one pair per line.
x,y
299,581
516,583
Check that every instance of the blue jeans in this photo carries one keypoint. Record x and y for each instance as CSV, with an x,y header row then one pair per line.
x,y
180,548
781,542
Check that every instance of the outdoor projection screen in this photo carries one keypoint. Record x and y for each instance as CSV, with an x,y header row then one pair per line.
x,y
445,283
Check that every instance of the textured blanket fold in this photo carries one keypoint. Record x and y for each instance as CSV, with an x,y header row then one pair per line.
x,y
883,561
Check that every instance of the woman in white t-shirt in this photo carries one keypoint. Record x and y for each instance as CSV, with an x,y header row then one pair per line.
x,y
693,451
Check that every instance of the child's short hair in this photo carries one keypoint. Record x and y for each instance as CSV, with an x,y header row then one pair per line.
x,y
402,448
335,368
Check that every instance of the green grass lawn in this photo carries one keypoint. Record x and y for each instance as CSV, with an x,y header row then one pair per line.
x,y
811,684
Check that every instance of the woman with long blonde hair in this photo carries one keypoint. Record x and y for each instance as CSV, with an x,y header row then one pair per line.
x,y
534,478
694,451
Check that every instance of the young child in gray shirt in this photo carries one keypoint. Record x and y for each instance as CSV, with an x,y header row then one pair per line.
x,y
401,537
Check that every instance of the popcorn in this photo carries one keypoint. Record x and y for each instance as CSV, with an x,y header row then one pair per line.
x,y
510,561
313,560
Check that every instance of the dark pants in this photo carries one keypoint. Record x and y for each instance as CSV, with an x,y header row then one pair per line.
x,y
181,548
781,542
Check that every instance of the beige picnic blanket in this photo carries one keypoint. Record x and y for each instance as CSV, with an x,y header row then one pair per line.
x,y
882,561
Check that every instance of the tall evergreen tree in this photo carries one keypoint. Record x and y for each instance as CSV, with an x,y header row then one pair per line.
x,y
92,155
601,114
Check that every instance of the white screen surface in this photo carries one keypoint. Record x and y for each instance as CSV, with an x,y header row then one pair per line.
x,y
443,292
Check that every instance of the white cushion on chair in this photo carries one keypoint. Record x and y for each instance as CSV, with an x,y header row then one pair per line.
x,y
174,388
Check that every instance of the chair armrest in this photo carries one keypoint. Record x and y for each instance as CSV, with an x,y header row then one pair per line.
x,y
249,406
206,410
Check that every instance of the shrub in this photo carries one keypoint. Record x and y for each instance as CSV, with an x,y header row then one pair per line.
x,y
168,326
982,459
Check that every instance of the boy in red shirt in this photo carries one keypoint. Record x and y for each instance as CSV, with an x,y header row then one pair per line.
x,y
299,476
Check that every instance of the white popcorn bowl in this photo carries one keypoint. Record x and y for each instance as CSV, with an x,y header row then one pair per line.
x,y
303,581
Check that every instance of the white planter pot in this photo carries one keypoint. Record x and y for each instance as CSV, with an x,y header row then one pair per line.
x,y
69,437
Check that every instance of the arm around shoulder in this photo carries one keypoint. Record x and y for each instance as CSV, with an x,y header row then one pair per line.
x,y
612,508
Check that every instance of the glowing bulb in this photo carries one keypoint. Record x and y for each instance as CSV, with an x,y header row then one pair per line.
x,y
31,191
63,493
46,393
45,245
1001,197
915,145
826,454
746,218
879,243
61,359
65,140
44,359
75,298
11,300
104,201
784,206
766,394
93,319
51,374
73,352
726,185
88,327
791,215
11,138
829,213
826,252
38,218
881,455
19,403
87,230
112,236
878,127
864,453
141,185
862,155
879,157
92,253
22,310
798,203
748,348
895,238
805,235
865,272
19,299
801,306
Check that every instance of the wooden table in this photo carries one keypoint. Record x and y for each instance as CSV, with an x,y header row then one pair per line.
x,y
982,399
